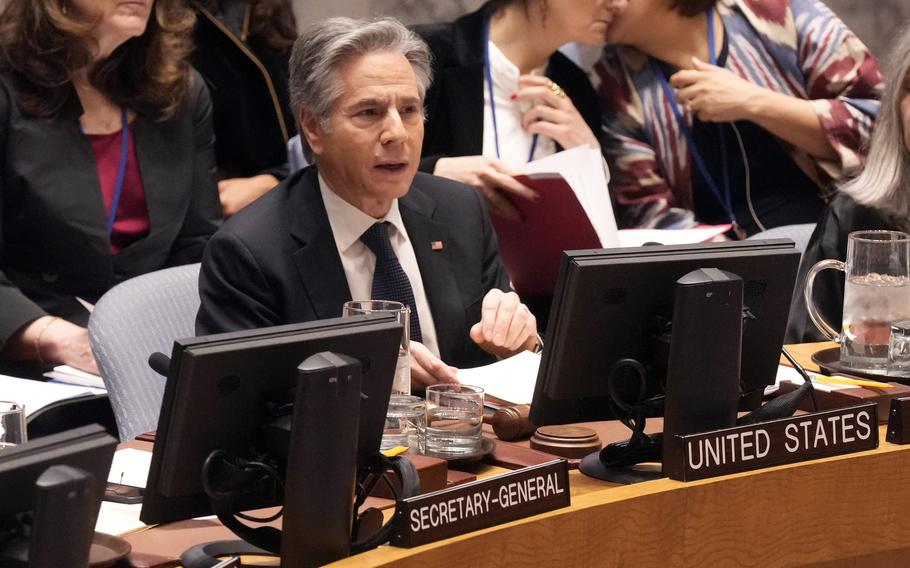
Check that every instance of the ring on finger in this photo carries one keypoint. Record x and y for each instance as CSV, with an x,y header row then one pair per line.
x,y
557,90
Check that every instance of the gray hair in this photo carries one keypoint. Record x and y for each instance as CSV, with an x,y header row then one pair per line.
x,y
321,50
884,184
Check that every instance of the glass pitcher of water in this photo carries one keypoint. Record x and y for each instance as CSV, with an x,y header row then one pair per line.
x,y
877,294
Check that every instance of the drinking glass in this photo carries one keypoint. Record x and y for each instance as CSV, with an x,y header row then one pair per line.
x,y
405,423
877,294
454,420
12,424
402,382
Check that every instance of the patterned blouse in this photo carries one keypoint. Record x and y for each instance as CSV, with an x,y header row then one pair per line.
x,y
795,47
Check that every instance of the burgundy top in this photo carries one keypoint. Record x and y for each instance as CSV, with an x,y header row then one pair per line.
x,y
132,220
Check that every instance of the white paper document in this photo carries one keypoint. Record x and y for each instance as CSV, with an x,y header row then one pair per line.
x,y
511,380
638,237
73,376
130,467
785,373
35,395
119,519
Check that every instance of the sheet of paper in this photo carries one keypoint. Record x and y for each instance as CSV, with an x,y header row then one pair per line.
x,y
119,519
638,237
35,395
73,376
130,467
785,373
511,380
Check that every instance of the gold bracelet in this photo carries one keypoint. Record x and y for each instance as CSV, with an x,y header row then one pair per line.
x,y
38,337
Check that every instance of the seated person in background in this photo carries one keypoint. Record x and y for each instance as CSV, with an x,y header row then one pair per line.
x,y
312,243
241,50
539,102
106,145
879,198
740,111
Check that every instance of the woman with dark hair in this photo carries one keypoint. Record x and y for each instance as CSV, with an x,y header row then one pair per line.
x,y
106,145
241,50
503,94
877,199
741,111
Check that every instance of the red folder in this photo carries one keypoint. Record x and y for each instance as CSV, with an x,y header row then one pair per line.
x,y
531,248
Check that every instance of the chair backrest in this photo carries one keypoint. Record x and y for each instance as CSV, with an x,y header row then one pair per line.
x,y
130,322
799,234
296,161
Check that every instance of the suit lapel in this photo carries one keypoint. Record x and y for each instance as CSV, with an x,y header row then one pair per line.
x,y
317,260
436,271
464,83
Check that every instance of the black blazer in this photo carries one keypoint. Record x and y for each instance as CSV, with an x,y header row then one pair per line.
x,y
276,262
454,103
248,83
54,244
842,216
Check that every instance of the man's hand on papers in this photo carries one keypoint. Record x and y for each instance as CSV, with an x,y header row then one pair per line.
x,y
428,369
552,113
506,326
491,177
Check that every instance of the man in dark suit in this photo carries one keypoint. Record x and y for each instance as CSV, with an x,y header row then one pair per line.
x,y
362,220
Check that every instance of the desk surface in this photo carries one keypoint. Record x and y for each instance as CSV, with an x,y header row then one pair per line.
x,y
842,511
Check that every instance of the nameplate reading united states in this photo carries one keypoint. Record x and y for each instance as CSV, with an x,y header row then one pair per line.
x,y
776,442
480,504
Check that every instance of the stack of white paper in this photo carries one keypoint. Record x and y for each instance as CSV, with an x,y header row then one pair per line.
x,y
35,395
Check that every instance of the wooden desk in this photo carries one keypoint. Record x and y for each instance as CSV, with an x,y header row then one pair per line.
x,y
843,511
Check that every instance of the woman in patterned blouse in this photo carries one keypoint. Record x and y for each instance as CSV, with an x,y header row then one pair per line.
x,y
733,111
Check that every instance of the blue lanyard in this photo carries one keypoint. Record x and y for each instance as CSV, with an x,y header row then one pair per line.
x,y
724,198
489,73
121,168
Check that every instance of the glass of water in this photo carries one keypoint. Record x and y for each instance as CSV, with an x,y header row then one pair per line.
x,y
405,423
454,420
876,294
12,424
402,381
899,349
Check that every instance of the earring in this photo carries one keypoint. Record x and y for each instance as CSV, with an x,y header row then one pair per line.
x,y
64,9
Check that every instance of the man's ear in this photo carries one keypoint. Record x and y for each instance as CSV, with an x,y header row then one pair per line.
x,y
311,130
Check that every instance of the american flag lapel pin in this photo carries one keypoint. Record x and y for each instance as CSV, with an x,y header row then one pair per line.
x,y
435,245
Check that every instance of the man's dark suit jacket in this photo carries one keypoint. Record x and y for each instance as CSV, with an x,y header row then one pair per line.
x,y
54,244
276,262
454,102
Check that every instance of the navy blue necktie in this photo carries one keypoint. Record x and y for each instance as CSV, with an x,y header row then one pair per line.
x,y
389,279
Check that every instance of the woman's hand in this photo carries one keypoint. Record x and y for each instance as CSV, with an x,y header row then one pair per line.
x,y
491,177
54,340
552,113
715,94
718,95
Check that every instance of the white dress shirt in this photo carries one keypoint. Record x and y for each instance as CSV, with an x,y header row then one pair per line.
x,y
348,224
514,141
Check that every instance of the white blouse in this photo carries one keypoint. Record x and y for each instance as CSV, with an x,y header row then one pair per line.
x,y
514,142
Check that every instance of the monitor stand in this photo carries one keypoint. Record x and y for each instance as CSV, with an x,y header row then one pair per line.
x,y
702,379
61,530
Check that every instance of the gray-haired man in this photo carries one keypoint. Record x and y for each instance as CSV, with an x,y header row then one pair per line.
x,y
360,220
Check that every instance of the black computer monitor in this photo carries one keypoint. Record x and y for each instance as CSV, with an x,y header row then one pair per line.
x,y
52,489
609,301
222,392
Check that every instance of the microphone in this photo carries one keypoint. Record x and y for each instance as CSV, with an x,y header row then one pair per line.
x,y
160,363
